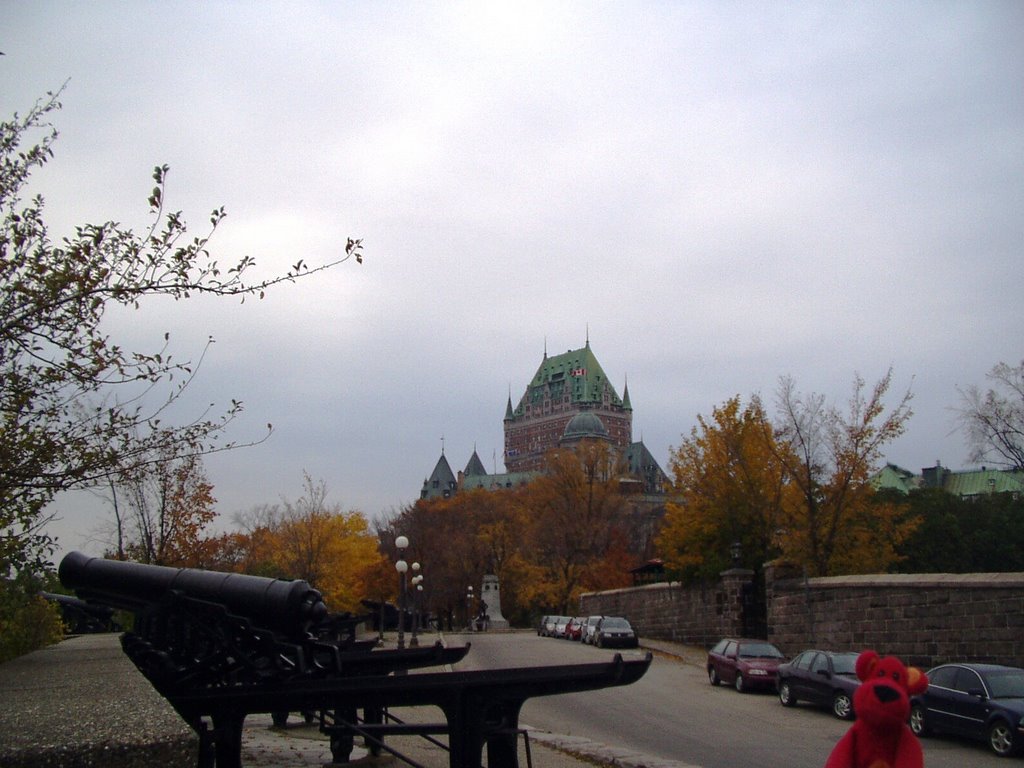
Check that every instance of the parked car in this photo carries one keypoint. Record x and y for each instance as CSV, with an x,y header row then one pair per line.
x,y
615,631
542,626
589,626
550,623
978,701
561,622
746,664
825,678
574,629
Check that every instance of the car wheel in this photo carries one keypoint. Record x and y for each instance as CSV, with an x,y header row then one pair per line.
x,y
842,706
713,676
1001,738
918,721
786,694
739,682
600,642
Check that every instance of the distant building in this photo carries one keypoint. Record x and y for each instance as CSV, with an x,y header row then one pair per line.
x,y
568,400
443,483
966,484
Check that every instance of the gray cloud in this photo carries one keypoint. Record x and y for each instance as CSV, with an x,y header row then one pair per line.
x,y
724,193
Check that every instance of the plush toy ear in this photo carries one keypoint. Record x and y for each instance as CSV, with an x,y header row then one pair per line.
x,y
866,664
917,681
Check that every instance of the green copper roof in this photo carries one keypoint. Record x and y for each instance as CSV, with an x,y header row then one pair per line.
x,y
984,481
971,482
576,371
895,478
475,467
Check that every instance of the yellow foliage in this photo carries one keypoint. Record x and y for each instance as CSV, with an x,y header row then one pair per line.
x,y
333,551
27,622
729,486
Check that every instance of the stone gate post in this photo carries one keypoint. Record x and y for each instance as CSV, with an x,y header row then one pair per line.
x,y
735,583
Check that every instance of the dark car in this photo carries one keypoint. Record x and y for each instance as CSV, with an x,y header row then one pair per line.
x,y
743,663
615,631
825,678
979,701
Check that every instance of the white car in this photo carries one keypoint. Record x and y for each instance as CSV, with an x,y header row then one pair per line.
x,y
589,627
560,625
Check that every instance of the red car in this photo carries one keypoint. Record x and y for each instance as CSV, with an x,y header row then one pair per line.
x,y
574,629
745,664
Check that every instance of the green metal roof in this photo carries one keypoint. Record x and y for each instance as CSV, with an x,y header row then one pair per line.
x,y
500,480
576,371
475,467
895,478
979,482
972,482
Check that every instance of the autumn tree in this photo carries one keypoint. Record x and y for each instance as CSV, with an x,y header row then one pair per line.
x,y
444,537
729,485
829,456
331,549
249,547
576,508
161,510
78,407
993,419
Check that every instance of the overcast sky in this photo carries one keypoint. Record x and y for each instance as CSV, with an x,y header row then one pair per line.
x,y
723,193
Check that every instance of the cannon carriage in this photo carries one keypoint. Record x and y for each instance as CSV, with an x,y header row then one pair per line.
x,y
222,646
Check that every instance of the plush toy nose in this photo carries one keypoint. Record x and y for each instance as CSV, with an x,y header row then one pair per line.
x,y
886,693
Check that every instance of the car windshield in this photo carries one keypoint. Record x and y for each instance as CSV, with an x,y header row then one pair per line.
x,y
615,624
1006,684
844,663
760,651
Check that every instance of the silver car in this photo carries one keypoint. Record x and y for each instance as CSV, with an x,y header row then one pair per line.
x,y
589,628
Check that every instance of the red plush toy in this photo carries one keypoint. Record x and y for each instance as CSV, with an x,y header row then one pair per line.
x,y
881,737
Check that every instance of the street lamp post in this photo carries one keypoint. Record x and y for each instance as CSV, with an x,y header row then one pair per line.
x,y
416,579
469,607
417,621
402,567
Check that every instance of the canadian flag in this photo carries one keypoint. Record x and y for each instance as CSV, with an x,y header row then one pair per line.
x,y
578,372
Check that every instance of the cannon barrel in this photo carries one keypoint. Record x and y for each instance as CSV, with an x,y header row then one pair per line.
x,y
284,606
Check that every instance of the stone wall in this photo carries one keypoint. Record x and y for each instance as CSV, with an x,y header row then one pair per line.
x,y
925,619
697,615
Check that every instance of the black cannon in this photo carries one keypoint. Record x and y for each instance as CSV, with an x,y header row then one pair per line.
x,y
223,646
82,618
288,607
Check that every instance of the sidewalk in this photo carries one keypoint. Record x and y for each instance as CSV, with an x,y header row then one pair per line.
x,y
109,715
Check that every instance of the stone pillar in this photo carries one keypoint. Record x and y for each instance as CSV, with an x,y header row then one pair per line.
x,y
733,582
491,595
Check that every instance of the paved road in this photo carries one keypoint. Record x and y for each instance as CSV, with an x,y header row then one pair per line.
x,y
673,713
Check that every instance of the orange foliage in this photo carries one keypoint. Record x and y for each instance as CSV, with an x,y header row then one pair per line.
x,y
729,486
